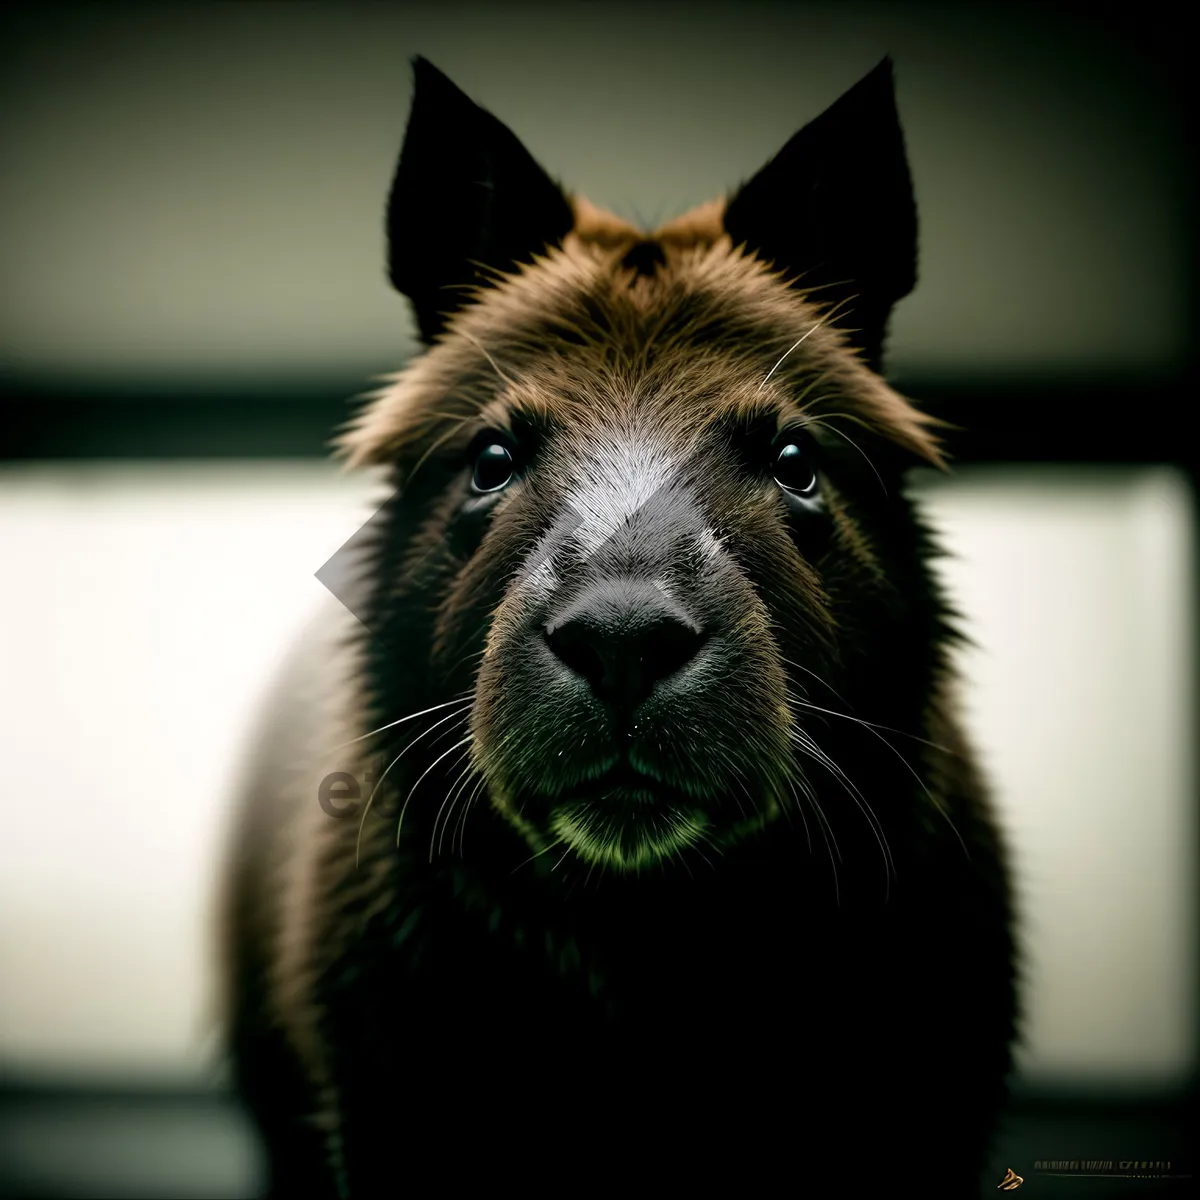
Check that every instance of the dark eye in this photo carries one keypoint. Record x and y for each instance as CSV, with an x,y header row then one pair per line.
x,y
494,467
793,465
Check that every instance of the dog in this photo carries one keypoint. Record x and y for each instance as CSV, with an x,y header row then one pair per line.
x,y
670,864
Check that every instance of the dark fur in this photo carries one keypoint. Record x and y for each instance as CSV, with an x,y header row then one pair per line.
x,y
757,1009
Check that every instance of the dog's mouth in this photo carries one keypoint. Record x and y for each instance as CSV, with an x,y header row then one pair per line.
x,y
623,799
623,790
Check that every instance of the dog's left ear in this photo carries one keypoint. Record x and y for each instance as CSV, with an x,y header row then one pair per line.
x,y
467,198
835,208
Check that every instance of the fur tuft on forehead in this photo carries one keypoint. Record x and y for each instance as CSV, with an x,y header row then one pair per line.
x,y
614,317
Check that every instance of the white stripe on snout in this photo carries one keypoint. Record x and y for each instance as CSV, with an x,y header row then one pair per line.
x,y
708,544
620,478
543,579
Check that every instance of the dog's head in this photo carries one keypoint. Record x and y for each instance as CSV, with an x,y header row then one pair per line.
x,y
648,482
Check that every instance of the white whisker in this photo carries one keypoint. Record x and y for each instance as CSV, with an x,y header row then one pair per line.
x,y
391,724
452,794
379,782
558,841
859,721
827,836
404,807
803,818
786,353
871,728
461,829
822,422
810,747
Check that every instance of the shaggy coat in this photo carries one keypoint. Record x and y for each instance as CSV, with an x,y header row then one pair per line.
x,y
667,862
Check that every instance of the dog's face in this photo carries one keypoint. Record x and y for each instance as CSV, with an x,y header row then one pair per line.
x,y
649,489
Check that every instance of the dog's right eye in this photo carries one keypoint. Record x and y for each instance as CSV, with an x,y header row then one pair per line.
x,y
793,468
495,466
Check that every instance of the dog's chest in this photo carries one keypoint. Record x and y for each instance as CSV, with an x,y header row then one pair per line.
x,y
677,982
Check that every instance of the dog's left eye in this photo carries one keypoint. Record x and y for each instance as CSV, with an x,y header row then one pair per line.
x,y
793,466
495,467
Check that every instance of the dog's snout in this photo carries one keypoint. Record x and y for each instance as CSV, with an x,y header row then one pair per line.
x,y
624,637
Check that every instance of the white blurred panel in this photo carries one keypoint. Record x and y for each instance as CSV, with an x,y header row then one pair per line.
x,y
1077,590
152,605
148,605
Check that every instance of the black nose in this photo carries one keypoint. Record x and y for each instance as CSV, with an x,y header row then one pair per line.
x,y
623,637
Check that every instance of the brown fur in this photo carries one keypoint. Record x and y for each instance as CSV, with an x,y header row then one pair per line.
x,y
702,281
350,944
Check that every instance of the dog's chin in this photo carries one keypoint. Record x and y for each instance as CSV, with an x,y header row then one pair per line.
x,y
627,832
625,824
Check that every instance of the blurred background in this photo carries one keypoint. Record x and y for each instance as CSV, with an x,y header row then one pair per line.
x,y
191,294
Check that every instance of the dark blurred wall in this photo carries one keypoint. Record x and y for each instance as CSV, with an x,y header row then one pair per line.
x,y
193,192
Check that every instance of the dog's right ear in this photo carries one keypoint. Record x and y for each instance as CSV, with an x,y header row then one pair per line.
x,y
467,198
835,208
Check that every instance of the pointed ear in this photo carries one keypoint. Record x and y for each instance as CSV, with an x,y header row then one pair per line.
x,y
835,206
466,197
